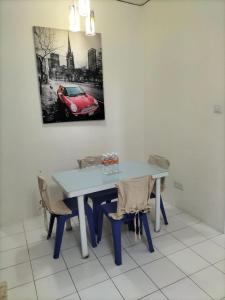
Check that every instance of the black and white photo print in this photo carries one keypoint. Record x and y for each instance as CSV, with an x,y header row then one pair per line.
x,y
70,75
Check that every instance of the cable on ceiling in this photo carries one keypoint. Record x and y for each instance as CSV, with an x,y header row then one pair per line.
x,y
128,2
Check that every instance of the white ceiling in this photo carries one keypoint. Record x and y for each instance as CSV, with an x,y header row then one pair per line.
x,y
137,2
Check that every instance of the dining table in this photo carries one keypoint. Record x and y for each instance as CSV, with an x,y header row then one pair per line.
x,y
80,182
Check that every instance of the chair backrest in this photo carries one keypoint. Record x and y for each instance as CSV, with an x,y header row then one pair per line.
x,y
133,196
89,161
43,188
161,162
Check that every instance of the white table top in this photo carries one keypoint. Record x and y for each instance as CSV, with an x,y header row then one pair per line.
x,y
78,182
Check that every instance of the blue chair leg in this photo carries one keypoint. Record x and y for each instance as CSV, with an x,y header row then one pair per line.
x,y
130,225
59,234
96,208
116,231
51,223
100,224
163,211
91,225
147,231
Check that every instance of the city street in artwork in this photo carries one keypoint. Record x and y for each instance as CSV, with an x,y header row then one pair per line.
x,y
70,76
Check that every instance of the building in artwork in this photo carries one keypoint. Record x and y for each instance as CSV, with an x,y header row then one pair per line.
x,y
92,60
53,61
53,64
99,60
70,57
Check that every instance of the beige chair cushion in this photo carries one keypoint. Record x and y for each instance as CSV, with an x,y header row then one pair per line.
x,y
133,196
3,290
161,162
89,161
55,207
60,208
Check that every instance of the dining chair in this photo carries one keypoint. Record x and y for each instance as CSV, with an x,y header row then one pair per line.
x,y
62,210
97,198
132,206
163,163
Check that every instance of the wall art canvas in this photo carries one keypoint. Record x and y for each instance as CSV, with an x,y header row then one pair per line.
x,y
70,75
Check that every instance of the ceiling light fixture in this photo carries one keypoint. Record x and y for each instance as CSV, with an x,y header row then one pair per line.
x,y
90,24
84,8
135,2
74,18
78,9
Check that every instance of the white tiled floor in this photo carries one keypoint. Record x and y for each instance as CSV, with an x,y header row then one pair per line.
x,y
188,263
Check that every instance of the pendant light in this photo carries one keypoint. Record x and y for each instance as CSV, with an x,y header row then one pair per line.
x,y
76,10
74,18
90,24
84,7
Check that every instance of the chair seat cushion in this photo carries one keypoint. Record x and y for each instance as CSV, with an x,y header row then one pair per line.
x,y
60,208
109,208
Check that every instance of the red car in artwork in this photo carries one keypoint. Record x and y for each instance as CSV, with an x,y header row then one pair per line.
x,y
75,101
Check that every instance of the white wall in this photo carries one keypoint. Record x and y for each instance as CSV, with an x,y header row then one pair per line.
x,y
184,79
28,146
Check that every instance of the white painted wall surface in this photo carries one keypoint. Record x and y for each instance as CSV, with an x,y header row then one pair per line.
x,y
184,78
27,145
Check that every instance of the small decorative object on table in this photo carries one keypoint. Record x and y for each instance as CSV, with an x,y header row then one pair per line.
x,y
110,162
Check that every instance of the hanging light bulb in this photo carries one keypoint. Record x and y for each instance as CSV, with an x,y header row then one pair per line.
x,y
74,18
84,7
90,23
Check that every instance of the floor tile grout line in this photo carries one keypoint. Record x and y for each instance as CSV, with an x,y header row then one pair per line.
x,y
10,235
200,287
158,288
164,294
31,265
189,276
17,264
68,296
219,261
146,262
186,276
80,264
92,285
203,257
98,258
70,275
45,276
152,294
209,263
191,226
19,285
13,248
187,246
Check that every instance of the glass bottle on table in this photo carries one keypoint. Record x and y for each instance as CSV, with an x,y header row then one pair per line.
x,y
110,163
116,163
104,163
